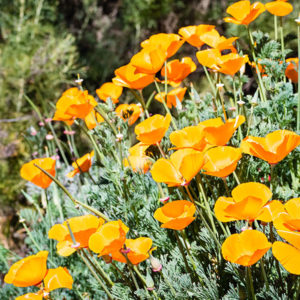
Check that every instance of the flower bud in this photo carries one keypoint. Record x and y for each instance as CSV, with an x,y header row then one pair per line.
x,y
155,264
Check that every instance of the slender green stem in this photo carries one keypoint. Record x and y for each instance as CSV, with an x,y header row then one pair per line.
x,y
250,279
236,177
298,108
262,265
121,273
226,186
168,283
106,119
260,82
86,206
282,39
140,98
275,28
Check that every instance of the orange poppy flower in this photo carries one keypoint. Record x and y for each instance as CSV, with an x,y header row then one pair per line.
x,y
271,211
109,90
33,174
192,34
168,42
288,256
189,137
245,248
82,228
81,164
247,202
92,119
138,160
149,60
57,278
243,12
130,112
261,68
31,296
109,238
218,133
138,250
172,97
279,8
287,223
28,271
75,104
227,64
213,39
127,76
221,161
180,169
273,148
177,70
176,214
153,129
291,71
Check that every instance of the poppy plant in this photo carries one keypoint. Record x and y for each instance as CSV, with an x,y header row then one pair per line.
x,y
180,169
138,160
213,39
273,148
153,129
168,42
92,119
109,238
73,104
243,12
127,76
81,164
218,133
130,112
109,90
189,137
28,271
172,97
228,64
82,228
245,248
247,202
192,34
279,8
138,250
291,71
271,211
221,161
176,215
33,174
149,60
177,70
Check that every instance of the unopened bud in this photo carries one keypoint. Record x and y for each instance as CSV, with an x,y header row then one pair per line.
x,y
155,264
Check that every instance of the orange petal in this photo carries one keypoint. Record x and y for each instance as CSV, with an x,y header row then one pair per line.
x,y
58,278
271,211
279,8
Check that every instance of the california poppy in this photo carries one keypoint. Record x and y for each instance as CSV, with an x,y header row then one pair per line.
x,y
127,76
82,228
57,278
138,159
247,202
92,119
81,164
130,112
172,97
153,129
189,137
192,34
180,169
138,250
213,39
176,214
288,256
33,174
243,12
109,90
168,42
291,71
279,8
271,211
218,133
75,104
272,148
28,271
109,238
221,161
227,64
177,70
245,248
31,296
149,60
